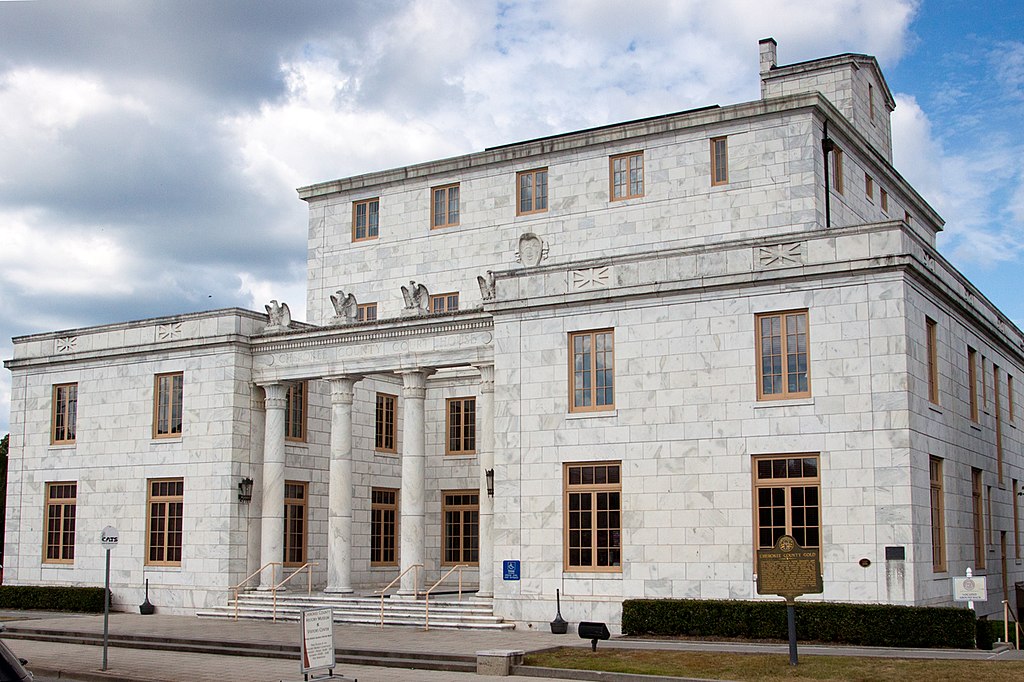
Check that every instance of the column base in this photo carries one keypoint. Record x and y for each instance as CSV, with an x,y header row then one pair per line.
x,y
338,590
485,595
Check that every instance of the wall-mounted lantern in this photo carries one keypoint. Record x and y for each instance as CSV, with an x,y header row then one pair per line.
x,y
489,475
245,490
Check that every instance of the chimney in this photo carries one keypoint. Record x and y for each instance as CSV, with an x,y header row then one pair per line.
x,y
769,57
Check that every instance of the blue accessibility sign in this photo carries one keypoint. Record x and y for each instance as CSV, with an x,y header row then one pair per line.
x,y
510,569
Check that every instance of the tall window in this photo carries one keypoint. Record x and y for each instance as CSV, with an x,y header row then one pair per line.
x,y
788,500
837,169
1015,496
972,381
383,526
444,303
65,413
999,422
977,512
984,384
1009,397
295,495
366,312
593,521
61,504
295,412
446,206
783,369
938,514
461,527
627,176
384,431
719,160
165,531
167,405
461,426
932,349
532,191
365,219
593,371
871,102
883,199
869,188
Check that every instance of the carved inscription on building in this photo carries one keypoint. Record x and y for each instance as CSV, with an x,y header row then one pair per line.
x,y
788,569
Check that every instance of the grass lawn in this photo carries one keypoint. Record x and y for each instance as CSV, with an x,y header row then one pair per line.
x,y
776,667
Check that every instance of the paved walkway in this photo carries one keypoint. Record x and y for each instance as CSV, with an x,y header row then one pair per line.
x,y
83,662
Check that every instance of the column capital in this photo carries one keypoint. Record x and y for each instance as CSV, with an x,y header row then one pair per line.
x,y
276,395
414,382
486,377
342,388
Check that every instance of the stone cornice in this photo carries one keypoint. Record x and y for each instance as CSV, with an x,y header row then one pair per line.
x,y
239,343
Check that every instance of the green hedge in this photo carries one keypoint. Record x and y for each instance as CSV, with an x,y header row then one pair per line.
x,y
52,598
860,624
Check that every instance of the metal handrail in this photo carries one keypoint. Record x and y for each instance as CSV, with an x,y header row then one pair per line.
x,y
426,605
249,577
1007,612
309,587
416,588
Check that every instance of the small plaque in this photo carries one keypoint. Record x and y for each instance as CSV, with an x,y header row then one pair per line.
x,y
510,569
789,570
974,588
895,553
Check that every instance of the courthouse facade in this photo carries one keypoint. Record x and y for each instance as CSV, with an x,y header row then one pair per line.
x,y
624,357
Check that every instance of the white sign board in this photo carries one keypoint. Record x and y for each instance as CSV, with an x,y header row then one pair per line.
x,y
108,537
317,639
970,589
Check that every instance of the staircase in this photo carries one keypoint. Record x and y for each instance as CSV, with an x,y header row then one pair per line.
x,y
467,614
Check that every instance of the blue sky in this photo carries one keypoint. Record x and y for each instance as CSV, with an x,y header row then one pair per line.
x,y
151,150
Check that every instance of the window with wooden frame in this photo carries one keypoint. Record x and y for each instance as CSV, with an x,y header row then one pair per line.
x,y
978,518
972,381
167,405
719,161
295,522
871,102
65,414
1009,398
999,422
164,523
365,220
532,191
626,176
383,526
593,516
787,500
883,200
938,517
1015,495
295,412
445,203
932,351
592,371
984,383
783,368
366,312
460,425
461,512
61,507
837,169
444,303
869,188
385,423
906,217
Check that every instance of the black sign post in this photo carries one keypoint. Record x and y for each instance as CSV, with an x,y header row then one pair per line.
x,y
108,539
789,571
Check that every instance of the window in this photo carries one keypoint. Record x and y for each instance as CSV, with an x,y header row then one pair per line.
x,y
837,169
906,217
787,500
593,371
883,198
532,191
938,515
972,381
978,518
933,360
461,426
384,435
984,384
365,220
295,412
871,102
461,527
719,161
446,206
295,494
869,188
383,526
1015,496
61,505
593,524
164,533
783,370
65,413
444,303
988,512
999,423
627,176
1009,397
366,312
167,405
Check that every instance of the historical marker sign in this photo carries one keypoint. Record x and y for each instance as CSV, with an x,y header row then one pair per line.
x,y
317,639
789,570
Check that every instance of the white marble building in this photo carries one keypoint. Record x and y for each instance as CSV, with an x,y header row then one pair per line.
x,y
668,340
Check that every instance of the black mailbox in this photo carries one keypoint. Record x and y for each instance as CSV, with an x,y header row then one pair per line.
x,y
593,632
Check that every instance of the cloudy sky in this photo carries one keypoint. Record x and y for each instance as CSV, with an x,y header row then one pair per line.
x,y
150,151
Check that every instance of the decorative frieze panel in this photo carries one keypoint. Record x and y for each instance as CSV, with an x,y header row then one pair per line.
x,y
66,344
780,255
168,332
590,278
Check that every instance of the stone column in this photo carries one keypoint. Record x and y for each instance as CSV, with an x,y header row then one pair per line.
x,y
272,525
485,454
414,452
339,516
